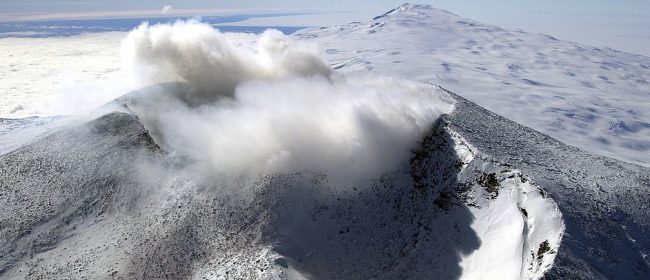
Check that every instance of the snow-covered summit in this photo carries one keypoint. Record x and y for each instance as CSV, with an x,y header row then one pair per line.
x,y
414,11
449,212
592,98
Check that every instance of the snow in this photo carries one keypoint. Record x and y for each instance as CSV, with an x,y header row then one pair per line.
x,y
17,132
604,202
59,76
481,197
595,99
509,238
418,222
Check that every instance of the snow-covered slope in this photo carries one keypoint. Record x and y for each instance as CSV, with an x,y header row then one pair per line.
x,y
518,225
605,203
17,132
596,99
451,212
476,201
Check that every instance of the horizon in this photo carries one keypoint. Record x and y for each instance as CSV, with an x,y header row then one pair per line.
x,y
622,26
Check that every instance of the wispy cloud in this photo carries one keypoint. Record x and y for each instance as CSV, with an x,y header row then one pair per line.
x,y
166,9
6,17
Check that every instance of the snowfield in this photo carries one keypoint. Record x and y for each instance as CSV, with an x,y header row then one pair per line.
x,y
595,99
59,76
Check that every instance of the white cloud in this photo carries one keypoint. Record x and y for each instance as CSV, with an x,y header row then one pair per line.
x,y
212,62
166,9
274,105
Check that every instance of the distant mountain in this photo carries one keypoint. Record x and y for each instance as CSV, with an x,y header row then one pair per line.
x,y
593,98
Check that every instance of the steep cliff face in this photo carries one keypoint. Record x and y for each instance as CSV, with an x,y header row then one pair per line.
x,y
604,202
518,225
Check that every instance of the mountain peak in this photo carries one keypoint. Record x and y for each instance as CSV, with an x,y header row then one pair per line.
x,y
407,6
415,10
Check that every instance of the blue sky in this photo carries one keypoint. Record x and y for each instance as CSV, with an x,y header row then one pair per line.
x,y
584,6
621,24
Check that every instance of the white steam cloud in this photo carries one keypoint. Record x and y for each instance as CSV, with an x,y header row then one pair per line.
x,y
211,61
274,106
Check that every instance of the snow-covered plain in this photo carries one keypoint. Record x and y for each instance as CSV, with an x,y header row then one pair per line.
x,y
59,76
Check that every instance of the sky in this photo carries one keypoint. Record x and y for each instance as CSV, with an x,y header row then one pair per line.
x,y
620,24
